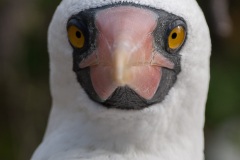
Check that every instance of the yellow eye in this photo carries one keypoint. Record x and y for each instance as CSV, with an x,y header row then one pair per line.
x,y
76,37
176,37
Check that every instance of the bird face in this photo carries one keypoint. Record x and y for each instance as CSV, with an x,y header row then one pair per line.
x,y
126,56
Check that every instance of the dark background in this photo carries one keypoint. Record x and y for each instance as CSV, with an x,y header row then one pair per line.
x,y
24,90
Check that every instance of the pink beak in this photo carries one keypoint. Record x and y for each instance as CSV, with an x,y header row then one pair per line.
x,y
125,54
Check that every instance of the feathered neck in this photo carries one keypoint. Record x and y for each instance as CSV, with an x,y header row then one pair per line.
x,y
165,131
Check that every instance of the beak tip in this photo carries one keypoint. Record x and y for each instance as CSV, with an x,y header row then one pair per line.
x,y
122,76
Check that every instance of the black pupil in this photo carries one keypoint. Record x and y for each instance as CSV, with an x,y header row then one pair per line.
x,y
174,35
78,34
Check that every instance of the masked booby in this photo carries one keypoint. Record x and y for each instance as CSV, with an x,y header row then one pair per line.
x,y
129,81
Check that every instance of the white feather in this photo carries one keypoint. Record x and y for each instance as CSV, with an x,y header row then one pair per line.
x,y
80,129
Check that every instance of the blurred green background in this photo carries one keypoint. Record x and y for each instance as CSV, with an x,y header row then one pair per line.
x,y
24,90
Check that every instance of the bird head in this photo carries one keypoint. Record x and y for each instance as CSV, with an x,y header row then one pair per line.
x,y
124,54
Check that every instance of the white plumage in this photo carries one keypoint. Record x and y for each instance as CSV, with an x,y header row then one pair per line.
x,y
80,129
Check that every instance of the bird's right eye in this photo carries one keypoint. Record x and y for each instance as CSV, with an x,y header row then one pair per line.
x,y
76,36
176,37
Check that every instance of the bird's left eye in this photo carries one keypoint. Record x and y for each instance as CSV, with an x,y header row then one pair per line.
x,y
76,37
176,37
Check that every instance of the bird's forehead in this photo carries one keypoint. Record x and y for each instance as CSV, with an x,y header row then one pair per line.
x,y
72,7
